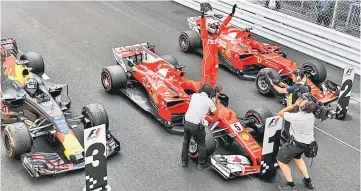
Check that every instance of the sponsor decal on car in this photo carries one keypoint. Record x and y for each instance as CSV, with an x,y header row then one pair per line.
x,y
228,54
253,147
155,97
259,60
28,122
237,127
245,136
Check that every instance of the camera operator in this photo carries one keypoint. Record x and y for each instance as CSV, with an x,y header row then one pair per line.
x,y
302,135
282,88
200,104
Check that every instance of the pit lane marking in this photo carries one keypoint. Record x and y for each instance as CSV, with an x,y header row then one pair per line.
x,y
339,140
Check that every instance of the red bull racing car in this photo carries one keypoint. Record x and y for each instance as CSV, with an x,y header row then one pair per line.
x,y
32,106
251,59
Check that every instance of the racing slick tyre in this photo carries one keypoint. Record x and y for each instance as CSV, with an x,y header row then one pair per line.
x,y
36,62
210,145
172,60
113,78
189,40
259,115
94,115
316,70
262,82
17,140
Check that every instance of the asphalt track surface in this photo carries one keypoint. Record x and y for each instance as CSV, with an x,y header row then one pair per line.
x,y
75,39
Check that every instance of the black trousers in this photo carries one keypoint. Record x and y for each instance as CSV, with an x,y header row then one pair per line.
x,y
290,151
199,135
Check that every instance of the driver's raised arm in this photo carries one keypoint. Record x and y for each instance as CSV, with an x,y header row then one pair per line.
x,y
229,18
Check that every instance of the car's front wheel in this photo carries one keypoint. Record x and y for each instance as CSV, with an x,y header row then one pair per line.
x,y
210,145
262,84
17,140
259,116
94,115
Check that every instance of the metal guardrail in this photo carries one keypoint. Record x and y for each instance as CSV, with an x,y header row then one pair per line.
x,y
333,47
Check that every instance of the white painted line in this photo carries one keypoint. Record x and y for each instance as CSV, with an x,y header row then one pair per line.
x,y
250,177
130,16
50,31
355,99
339,140
21,52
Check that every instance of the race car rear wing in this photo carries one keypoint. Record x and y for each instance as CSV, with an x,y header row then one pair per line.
x,y
133,50
135,54
10,45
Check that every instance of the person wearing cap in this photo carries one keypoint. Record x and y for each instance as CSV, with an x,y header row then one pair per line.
x,y
298,81
200,104
302,134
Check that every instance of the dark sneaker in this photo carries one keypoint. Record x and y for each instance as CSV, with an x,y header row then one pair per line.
x,y
202,166
184,163
286,187
309,185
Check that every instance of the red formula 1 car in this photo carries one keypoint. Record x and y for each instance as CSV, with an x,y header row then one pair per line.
x,y
32,107
160,86
251,59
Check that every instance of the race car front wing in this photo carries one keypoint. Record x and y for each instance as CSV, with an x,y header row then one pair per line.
x,y
231,166
39,164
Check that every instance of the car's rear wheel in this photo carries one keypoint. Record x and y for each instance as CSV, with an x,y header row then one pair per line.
x,y
189,40
17,140
316,71
94,115
259,115
36,62
113,78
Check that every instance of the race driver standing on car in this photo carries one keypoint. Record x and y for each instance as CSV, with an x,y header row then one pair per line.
x,y
209,35
302,134
200,104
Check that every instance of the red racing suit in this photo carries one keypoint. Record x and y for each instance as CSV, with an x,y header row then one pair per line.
x,y
210,52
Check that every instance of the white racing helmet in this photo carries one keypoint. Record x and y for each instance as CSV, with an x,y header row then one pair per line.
x,y
213,25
